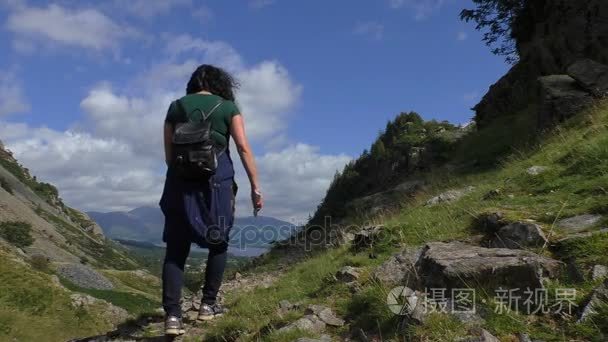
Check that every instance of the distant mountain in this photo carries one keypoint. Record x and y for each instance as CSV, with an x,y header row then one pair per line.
x,y
145,224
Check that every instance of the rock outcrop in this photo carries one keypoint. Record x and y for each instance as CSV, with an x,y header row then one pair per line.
x,y
577,224
519,235
559,33
385,200
400,269
449,196
456,265
590,75
598,296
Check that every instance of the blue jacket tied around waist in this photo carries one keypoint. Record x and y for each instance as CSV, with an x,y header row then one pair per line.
x,y
202,212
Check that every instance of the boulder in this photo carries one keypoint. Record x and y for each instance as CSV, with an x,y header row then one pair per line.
x,y
519,235
598,296
449,196
286,305
579,223
400,269
590,75
325,314
366,237
308,323
348,274
599,272
561,98
458,265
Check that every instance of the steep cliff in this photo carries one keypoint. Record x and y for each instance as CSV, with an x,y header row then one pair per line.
x,y
556,34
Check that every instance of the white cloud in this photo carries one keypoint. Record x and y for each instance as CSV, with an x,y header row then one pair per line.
x,y
462,36
213,52
150,8
371,29
115,162
293,181
91,172
12,98
54,24
422,8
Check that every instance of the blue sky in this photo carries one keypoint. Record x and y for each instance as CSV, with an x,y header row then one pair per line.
x,y
319,80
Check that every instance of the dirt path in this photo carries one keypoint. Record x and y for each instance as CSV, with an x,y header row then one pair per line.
x,y
151,328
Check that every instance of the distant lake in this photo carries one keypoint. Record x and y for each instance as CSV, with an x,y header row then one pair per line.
x,y
250,252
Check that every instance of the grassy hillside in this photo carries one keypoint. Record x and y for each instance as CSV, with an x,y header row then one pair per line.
x,y
575,157
45,247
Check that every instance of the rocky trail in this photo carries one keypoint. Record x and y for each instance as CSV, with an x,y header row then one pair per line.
x,y
150,328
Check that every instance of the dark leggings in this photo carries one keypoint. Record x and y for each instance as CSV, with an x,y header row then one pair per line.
x,y
173,275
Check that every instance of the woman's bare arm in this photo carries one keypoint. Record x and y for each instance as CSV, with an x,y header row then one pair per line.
x,y
237,131
168,136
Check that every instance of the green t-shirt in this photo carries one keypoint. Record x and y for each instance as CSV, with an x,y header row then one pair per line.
x,y
220,119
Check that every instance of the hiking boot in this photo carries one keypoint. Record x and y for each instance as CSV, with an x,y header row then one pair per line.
x,y
208,312
174,326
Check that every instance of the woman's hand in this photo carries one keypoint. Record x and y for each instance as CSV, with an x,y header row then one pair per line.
x,y
257,201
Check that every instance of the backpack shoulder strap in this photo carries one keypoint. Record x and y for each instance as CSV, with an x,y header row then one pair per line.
x,y
207,116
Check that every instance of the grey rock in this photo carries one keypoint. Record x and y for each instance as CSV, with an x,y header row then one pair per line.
x,y
308,323
450,196
481,335
286,305
385,200
523,337
366,237
599,272
348,274
458,265
325,314
590,75
578,236
519,235
79,300
536,170
579,223
329,318
84,276
561,98
598,296
400,269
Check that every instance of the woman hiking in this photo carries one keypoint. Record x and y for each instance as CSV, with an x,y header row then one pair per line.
x,y
198,199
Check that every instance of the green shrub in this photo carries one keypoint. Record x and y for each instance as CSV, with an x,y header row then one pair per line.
x,y
4,184
17,233
40,263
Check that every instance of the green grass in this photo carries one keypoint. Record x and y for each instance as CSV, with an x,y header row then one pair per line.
x,y
28,299
134,303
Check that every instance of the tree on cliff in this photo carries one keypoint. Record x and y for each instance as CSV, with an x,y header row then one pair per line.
x,y
506,22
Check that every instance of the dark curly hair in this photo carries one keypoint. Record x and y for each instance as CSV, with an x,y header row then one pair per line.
x,y
214,80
